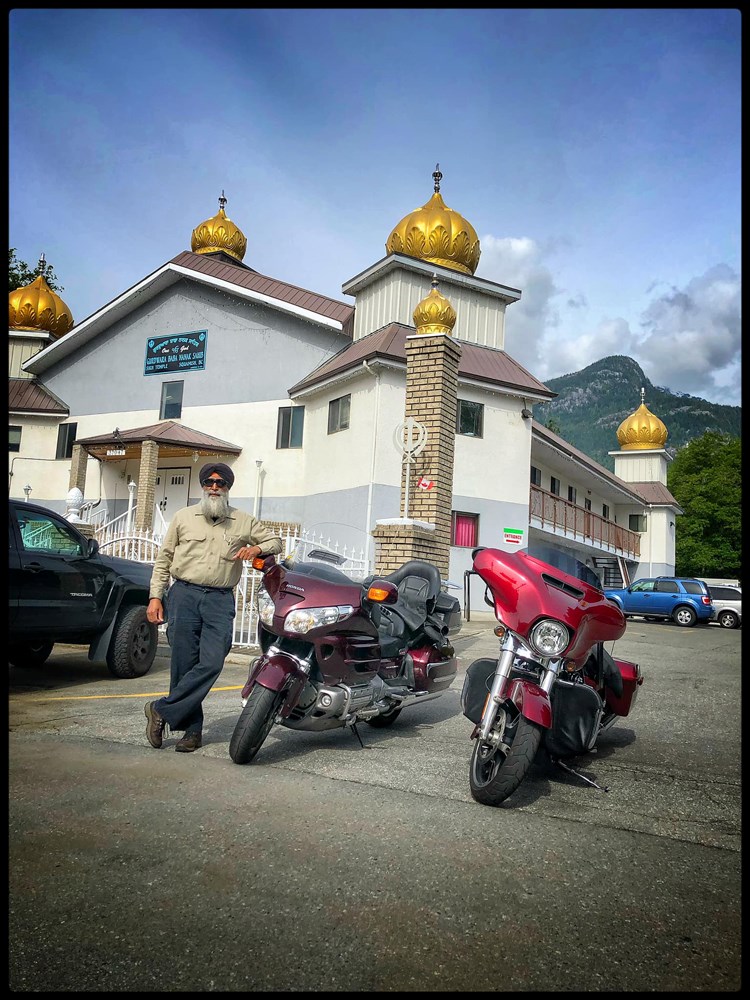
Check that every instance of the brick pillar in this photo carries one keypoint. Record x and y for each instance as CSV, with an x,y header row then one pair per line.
x,y
78,465
432,358
144,512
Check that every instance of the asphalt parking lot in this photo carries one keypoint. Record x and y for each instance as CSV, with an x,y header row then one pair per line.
x,y
326,866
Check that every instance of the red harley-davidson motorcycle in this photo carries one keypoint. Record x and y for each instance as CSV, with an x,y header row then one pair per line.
x,y
335,652
553,683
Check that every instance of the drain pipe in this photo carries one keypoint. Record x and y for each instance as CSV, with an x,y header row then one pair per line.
x,y
258,465
368,515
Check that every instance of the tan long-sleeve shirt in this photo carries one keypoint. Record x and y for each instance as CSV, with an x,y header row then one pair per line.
x,y
199,550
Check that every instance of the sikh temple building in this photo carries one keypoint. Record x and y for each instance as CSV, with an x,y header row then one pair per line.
x,y
322,405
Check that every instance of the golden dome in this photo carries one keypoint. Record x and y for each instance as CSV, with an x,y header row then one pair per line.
x,y
37,307
434,314
641,430
219,233
437,234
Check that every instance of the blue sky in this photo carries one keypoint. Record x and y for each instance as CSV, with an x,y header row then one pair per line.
x,y
596,153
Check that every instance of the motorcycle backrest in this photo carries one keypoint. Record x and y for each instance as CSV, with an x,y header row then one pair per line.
x,y
418,584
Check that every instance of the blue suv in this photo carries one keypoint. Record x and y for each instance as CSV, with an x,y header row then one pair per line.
x,y
684,601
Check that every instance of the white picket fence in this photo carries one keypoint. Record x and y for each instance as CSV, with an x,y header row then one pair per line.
x,y
115,540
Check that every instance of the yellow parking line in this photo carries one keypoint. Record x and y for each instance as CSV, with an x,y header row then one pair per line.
x,y
102,697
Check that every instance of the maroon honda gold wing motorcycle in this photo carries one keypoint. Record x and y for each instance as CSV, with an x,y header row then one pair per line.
x,y
553,683
335,652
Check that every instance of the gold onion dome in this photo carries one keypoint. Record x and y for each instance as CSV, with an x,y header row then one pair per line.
x,y
434,314
641,430
219,233
437,234
37,307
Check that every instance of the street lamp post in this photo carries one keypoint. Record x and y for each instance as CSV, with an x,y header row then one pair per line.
x,y
27,491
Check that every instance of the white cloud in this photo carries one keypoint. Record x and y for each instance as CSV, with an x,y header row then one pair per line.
x,y
687,339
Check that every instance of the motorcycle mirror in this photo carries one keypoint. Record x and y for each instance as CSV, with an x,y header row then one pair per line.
x,y
382,592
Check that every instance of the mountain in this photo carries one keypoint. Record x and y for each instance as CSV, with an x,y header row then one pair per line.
x,y
592,403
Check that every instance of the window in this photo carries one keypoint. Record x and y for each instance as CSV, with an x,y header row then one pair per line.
x,y
666,587
587,503
43,532
724,593
605,511
554,486
289,426
637,522
536,476
338,414
470,418
171,401
14,438
642,585
572,494
464,529
693,588
66,435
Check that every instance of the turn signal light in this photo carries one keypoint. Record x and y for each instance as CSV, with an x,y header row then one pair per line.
x,y
500,631
258,562
377,594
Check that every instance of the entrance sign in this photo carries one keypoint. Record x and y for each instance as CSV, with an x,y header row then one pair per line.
x,y
513,535
184,352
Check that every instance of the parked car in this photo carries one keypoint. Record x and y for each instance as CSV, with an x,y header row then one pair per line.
x,y
684,601
63,589
727,603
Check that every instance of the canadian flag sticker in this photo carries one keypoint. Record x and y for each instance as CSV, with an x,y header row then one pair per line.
x,y
425,484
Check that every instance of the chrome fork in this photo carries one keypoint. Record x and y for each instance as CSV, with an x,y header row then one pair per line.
x,y
508,649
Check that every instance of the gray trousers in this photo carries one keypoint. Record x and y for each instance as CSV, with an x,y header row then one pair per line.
x,y
199,630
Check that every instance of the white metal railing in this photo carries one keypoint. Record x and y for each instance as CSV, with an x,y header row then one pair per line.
x,y
143,546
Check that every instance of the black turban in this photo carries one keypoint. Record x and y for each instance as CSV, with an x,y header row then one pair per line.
x,y
220,469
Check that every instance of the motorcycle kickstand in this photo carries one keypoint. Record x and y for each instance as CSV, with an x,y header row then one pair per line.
x,y
589,781
353,727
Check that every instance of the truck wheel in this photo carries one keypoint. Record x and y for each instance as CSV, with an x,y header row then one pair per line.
x,y
29,654
133,647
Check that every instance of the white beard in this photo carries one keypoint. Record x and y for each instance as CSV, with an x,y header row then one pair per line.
x,y
215,506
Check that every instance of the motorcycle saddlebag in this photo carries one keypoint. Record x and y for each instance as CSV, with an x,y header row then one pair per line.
x,y
448,608
576,716
477,683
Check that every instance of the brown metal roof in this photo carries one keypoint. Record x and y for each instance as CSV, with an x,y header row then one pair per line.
x,y
26,395
174,440
482,363
654,493
245,277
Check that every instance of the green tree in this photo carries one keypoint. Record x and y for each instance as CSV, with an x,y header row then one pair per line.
x,y
553,425
705,480
20,274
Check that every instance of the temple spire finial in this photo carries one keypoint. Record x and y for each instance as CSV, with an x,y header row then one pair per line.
x,y
42,265
643,395
222,200
437,177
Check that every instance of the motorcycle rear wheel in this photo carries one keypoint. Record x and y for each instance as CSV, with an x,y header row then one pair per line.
x,y
384,720
254,724
494,775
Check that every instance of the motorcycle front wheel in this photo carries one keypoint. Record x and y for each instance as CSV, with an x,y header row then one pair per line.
x,y
254,724
494,774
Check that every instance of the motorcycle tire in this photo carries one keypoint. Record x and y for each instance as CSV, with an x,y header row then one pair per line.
x,y
493,775
254,724
385,720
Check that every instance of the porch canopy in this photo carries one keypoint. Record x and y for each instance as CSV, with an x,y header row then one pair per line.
x,y
174,441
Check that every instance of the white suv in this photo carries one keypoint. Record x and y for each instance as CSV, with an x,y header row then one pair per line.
x,y
727,604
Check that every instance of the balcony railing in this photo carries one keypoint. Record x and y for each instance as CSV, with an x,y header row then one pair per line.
x,y
576,522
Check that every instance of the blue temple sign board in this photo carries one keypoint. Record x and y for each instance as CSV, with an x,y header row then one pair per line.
x,y
183,352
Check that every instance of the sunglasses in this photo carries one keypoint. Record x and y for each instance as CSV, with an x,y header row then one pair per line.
x,y
221,483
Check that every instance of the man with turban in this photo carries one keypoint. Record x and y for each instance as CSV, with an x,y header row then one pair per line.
x,y
202,551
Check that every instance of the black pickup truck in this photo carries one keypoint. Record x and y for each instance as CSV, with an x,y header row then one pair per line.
x,y
63,589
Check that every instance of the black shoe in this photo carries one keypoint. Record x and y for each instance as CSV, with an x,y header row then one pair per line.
x,y
189,742
154,726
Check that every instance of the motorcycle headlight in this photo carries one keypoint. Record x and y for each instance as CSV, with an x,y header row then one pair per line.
x,y
303,619
549,637
265,607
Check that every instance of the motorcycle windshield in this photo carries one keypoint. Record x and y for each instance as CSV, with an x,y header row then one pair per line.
x,y
565,562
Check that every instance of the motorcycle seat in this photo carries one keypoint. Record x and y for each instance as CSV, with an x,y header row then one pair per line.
x,y
418,585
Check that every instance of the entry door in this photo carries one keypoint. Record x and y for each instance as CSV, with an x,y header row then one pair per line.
x,y
170,493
